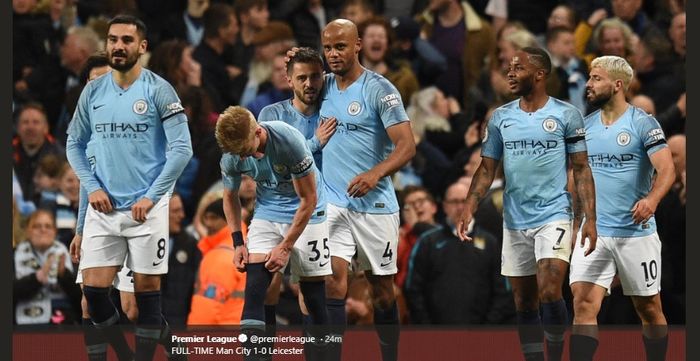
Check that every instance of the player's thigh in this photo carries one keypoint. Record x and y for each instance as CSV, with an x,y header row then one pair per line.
x,y
639,264
311,255
553,240
518,254
377,237
102,243
263,236
340,241
598,268
149,242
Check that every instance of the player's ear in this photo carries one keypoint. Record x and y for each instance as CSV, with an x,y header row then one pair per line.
x,y
143,46
358,45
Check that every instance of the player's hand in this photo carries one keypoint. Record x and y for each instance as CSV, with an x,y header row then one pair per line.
x,y
290,54
99,200
463,224
643,210
277,258
240,258
325,130
589,231
362,184
75,248
140,209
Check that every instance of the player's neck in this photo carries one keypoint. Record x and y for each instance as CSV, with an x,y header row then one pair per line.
x,y
613,110
125,79
303,108
348,78
263,140
535,100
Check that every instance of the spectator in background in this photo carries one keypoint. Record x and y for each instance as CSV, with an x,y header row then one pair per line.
x,y
183,263
644,103
571,70
464,38
220,33
32,142
376,35
219,288
611,37
306,18
64,203
47,177
426,61
357,11
278,89
44,289
656,78
187,25
418,214
440,261
631,12
173,61
274,39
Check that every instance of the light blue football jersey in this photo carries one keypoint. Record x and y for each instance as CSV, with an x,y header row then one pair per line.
x,y
619,158
364,110
118,139
534,149
286,157
286,112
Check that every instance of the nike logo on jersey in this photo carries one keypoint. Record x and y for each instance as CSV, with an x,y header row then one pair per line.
x,y
323,264
440,244
651,284
95,107
157,263
384,264
507,125
556,248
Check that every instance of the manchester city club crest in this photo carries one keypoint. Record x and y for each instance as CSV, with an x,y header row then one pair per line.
x,y
280,168
549,125
140,106
354,108
623,138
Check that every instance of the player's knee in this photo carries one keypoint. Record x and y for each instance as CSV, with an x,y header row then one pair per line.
x,y
336,286
382,291
99,305
129,307
550,293
146,283
585,310
649,310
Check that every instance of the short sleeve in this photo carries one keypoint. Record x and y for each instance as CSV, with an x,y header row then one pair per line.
x,y
386,100
492,144
574,131
230,175
651,134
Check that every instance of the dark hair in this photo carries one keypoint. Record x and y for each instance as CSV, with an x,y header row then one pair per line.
x,y
380,21
130,20
33,105
215,17
97,60
553,33
166,59
539,58
304,55
216,207
243,6
408,190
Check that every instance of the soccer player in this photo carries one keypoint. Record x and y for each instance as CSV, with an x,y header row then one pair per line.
x,y
625,146
305,78
373,139
289,222
139,145
533,136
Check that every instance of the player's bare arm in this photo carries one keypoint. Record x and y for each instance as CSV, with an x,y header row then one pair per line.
x,y
585,192
305,188
665,176
404,149
575,204
232,210
481,182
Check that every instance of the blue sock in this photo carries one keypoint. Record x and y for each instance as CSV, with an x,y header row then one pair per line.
x,y
582,347
386,322
554,320
531,335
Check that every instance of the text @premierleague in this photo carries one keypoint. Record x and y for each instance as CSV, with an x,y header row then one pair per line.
x,y
233,345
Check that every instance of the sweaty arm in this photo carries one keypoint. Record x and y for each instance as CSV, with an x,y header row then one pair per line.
x,y
665,177
481,182
178,154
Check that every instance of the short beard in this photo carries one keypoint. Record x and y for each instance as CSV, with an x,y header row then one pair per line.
x,y
600,100
124,67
